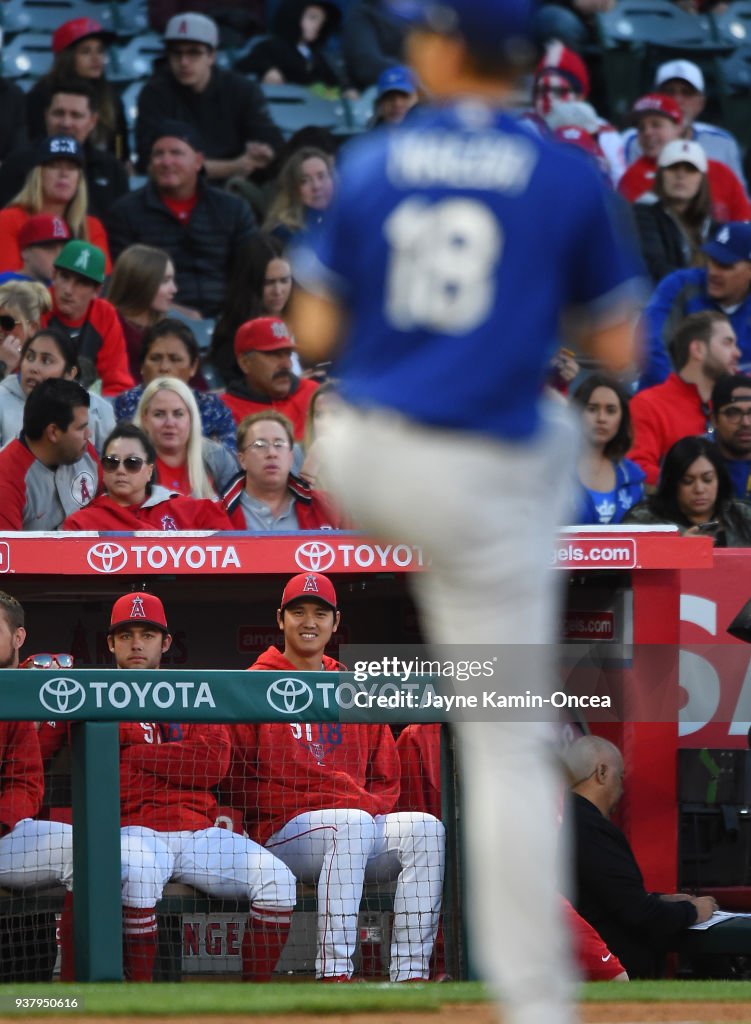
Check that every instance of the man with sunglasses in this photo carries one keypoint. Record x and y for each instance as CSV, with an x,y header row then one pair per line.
x,y
268,496
32,853
51,470
168,772
731,420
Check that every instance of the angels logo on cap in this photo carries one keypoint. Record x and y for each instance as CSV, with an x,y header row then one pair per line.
x,y
141,608
82,262
309,584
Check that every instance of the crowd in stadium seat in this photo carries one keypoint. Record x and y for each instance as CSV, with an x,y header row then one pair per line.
x,y
170,162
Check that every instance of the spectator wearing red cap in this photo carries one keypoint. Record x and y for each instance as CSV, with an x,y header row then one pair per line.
x,y
55,186
40,240
659,120
202,228
226,109
268,497
80,52
673,229
133,501
684,82
71,109
263,350
562,79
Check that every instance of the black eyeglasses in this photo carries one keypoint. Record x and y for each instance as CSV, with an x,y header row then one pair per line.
x,y
131,463
734,414
7,323
48,661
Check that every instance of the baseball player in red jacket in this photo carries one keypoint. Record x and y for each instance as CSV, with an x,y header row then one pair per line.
x,y
31,852
168,810
321,796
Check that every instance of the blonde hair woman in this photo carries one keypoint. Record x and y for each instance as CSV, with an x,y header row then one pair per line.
x,y
305,189
22,306
186,463
56,186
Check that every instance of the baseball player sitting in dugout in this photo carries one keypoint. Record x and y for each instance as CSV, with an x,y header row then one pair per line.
x,y
321,797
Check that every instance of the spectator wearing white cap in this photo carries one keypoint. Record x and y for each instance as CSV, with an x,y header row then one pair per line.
x,y
227,110
659,120
673,229
684,82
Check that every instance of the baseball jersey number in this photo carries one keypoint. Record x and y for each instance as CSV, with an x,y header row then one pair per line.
x,y
441,274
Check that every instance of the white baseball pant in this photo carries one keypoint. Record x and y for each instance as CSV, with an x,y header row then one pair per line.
x,y
339,850
214,860
486,514
37,853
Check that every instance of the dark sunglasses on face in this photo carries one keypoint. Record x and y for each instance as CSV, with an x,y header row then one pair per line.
x,y
48,661
8,323
131,463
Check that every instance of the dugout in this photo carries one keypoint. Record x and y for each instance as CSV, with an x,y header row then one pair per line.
x,y
623,611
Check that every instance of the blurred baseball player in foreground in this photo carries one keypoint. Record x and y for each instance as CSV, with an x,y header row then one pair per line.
x,y
321,796
168,808
452,251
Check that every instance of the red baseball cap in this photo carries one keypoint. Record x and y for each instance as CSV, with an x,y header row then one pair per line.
x,y
264,334
42,228
75,30
140,609
656,103
311,585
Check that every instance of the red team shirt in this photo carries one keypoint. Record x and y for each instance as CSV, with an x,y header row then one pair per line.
x,y
166,772
21,774
281,770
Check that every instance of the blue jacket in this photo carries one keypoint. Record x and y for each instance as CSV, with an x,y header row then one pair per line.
x,y
677,295
629,489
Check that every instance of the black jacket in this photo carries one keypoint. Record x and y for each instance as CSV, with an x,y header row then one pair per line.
x,y
228,113
280,50
636,925
372,40
202,250
106,177
12,118
664,245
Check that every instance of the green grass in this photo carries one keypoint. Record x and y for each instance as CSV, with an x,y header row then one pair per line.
x,y
206,997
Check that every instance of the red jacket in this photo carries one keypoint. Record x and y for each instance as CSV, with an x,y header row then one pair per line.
x,y
167,772
283,769
174,513
99,339
242,403
21,774
419,748
729,199
314,508
662,415
13,218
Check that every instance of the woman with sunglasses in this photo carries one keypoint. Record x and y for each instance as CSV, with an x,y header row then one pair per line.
x,y
47,353
132,501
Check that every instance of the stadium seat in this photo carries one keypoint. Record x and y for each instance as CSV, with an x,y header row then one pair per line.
x,y
41,15
293,107
126,18
27,55
733,25
134,60
129,97
735,93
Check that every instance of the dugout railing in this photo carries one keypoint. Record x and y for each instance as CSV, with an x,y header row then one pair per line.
x,y
95,701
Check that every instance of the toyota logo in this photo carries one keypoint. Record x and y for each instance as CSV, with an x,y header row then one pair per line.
x,y
106,557
289,696
315,556
62,696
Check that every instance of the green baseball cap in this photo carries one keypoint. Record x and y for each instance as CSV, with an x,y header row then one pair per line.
x,y
82,258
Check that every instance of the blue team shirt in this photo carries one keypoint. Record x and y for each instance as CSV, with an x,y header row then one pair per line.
x,y
454,243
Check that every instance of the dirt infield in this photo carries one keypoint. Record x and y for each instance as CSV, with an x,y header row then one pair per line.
x,y
473,1013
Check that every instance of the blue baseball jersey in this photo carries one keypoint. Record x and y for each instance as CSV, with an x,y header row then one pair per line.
x,y
454,244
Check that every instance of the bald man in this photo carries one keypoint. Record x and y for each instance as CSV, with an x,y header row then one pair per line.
x,y
638,926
